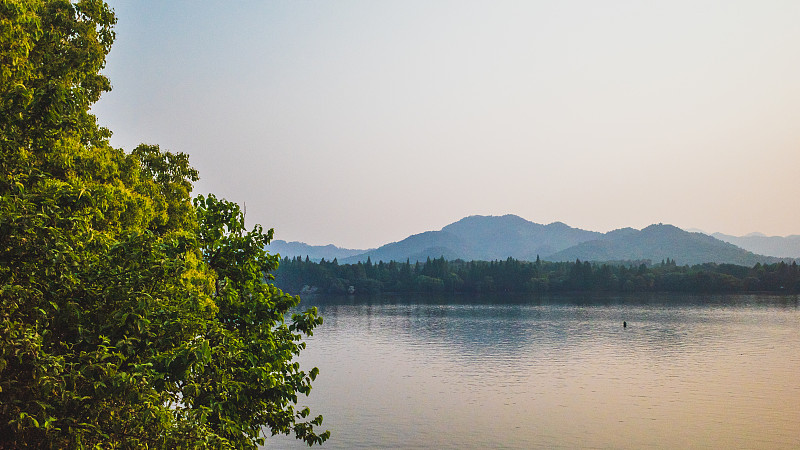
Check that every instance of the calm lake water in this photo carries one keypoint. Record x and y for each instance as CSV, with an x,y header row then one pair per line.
x,y
556,372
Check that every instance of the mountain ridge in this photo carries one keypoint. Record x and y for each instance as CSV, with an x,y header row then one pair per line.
x,y
491,238
661,241
779,246
314,252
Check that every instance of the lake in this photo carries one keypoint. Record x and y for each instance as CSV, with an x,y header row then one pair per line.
x,y
556,372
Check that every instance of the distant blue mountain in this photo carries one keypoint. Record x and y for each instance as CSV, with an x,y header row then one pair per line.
x,y
313,252
657,243
491,238
499,237
482,238
783,247
418,247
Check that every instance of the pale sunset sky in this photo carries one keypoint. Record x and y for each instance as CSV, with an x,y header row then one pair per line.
x,y
358,123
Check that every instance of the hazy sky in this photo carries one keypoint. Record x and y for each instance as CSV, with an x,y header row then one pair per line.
x,y
359,123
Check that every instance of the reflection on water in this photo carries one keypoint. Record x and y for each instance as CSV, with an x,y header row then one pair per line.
x,y
557,372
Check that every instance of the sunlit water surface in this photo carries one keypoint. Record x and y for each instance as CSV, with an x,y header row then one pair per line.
x,y
556,372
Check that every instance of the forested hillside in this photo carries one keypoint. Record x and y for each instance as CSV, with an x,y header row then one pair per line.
x,y
660,241
488,238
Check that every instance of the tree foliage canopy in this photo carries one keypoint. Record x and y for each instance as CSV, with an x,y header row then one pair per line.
x,y
132,316
511,275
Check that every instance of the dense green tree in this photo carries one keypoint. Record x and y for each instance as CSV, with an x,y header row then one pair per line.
x,y
439,275
131,317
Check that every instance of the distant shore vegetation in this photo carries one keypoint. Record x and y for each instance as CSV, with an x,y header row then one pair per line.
x,y
298,275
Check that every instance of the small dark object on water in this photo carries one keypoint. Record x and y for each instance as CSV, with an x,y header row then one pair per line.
x,y
624,324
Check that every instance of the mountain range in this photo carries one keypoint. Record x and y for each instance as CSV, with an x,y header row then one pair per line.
x,y
491,238
314,252
784,247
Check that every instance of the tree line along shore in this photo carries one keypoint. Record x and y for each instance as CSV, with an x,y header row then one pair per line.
x,y
299,275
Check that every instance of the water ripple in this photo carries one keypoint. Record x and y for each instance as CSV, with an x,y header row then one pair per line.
x,y
450,374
